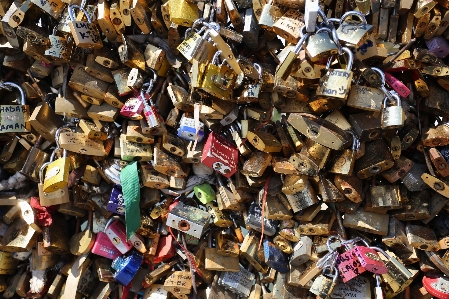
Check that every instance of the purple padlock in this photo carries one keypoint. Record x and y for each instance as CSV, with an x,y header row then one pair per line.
x,y
438,46
116,203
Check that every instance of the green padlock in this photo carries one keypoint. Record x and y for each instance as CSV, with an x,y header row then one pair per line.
x,y
204,192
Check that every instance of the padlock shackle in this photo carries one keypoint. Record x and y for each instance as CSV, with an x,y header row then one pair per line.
x,y
304,37
11,84
381,74
259,71
351,57
329,241
396,97
72,18
381,251
215,57
353,13
41,172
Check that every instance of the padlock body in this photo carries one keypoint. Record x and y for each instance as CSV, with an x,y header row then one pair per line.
x,y
57,175
349,266
370,260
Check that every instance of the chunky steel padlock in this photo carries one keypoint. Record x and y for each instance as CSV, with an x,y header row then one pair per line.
x,y
237,282
393,117
85,34
254,220
188,219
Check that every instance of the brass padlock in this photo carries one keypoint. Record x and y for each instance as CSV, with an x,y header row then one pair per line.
x,y
84,33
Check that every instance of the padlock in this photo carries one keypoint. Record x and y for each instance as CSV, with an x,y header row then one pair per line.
x,y
115,230
15,118
254,221
398,276
204,193
421,238
323,286
60,196
385,197
225,162
287,64
288,25
381,160
188,219
84,34
354,32
274,257
392,116
320,45
218,262
237,282
126,267
57,174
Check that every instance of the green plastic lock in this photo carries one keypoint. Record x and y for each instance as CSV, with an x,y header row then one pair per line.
x,y
204,192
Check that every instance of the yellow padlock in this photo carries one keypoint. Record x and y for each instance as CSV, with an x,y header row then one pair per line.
x,y
57,174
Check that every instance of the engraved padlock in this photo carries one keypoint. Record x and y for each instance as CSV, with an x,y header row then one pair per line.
x,y
354,32
393,117
85,34
14,118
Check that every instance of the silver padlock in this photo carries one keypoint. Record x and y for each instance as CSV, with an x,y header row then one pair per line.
x,y
239,283
392,117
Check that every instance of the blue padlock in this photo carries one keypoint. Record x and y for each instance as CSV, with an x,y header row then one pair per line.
x,y
116,204
127,267
187,129
274,257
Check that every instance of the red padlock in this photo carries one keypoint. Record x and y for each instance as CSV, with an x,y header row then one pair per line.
x,y
220,154
436,285
116,232
369,259
347,262
165,249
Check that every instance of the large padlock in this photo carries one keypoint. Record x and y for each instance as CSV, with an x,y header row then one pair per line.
x,y
333,87
14,118
85,34
56,197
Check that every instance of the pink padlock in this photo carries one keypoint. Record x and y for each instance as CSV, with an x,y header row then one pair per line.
x,y
370,260
116,232
397,85
104,247
347,262
132,107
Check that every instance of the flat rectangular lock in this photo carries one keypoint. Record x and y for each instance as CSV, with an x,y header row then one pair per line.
x,y
188,219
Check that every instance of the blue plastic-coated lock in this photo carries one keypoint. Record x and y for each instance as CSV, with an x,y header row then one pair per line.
x,y
116,204
274,257
127,267
187,129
